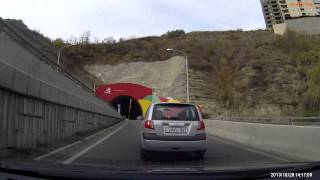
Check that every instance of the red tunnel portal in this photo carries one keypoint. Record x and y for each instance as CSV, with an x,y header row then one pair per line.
x,y
119,94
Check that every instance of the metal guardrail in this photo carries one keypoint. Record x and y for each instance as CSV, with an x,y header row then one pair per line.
x,y
297,121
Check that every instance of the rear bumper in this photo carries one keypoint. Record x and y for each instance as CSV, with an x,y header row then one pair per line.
x,y
184,146
153,136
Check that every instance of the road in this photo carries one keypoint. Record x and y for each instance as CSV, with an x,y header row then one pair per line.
x,y
121,148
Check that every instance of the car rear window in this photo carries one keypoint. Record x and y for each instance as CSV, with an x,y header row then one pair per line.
x,y
179,112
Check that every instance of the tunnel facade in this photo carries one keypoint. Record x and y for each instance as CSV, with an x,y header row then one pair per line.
x,y
130,100
127,106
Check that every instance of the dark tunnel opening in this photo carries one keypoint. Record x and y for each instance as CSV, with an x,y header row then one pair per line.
x,y
123,103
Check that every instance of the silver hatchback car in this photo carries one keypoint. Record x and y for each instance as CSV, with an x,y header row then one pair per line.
x,y
173,127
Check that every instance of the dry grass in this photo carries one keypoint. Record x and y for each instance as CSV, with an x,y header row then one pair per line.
x,y
224,55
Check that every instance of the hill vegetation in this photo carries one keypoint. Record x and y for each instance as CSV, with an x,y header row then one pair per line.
x,y
248,72
241,72
304,51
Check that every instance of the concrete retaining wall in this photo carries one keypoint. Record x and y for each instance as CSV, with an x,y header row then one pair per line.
x,y
296,142
39,105
304,25
22,72
27,122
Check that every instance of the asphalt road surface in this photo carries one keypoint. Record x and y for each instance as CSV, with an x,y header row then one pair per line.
x,y
121,148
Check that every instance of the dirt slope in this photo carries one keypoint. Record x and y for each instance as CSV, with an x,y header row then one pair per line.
x,y
167,77
239,72
253,73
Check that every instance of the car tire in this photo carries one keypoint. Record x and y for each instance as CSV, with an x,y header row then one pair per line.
x,y
145,155
199,155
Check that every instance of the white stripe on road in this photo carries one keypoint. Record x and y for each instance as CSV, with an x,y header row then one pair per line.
x,y
56,151
69,145
249,149
76,156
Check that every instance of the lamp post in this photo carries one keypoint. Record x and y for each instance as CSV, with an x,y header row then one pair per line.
x,y
187,70
60,50
153,94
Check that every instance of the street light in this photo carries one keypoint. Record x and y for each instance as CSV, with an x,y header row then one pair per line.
x,y
153,94
61,50
187,70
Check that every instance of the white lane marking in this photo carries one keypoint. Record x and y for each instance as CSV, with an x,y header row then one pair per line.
x,y
76,156
249,149
98,133
56,151
69,145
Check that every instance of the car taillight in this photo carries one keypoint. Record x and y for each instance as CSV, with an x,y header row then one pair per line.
x,y
148,124
201,125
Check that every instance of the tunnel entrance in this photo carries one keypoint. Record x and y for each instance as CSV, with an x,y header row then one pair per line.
x,y
122,104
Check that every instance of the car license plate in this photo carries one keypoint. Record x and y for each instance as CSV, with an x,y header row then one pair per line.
x,y
171,130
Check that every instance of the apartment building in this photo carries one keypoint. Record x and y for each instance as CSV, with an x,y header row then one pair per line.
x,y
279,11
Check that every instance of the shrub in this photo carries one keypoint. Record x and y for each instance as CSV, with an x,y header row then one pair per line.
x,y
305,60
175,33
313,91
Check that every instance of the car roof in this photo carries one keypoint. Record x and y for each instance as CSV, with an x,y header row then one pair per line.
x,y
173,103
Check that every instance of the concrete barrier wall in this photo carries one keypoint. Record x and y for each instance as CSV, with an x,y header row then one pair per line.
x,y
296,142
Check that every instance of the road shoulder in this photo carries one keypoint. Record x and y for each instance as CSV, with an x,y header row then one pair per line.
x,y
64,153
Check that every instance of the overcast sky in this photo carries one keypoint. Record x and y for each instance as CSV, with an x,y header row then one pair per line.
x,y
126,18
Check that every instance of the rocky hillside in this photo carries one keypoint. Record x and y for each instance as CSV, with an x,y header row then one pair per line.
x,y
167,78
253,73
43,48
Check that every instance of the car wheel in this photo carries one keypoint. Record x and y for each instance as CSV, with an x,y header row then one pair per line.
x,y
199,155
145,155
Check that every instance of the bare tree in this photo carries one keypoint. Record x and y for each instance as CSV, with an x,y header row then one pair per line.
x,y
85,37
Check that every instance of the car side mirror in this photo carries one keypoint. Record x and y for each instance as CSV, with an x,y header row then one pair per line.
x,y
140,118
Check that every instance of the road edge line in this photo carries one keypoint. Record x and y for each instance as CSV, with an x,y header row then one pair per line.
x,y
56,150
76,156
69,145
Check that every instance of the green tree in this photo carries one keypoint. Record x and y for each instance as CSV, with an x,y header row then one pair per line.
x,y
175,33
59,43
224,82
